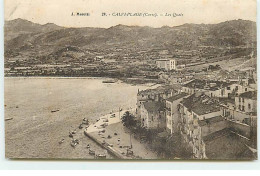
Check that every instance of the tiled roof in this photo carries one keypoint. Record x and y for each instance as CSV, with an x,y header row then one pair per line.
x,y
202,84
249,95
161,89
153,106
226,146
201,104
176,97
226,100
211,120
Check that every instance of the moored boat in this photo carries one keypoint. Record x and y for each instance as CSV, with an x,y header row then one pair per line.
x,y
109,81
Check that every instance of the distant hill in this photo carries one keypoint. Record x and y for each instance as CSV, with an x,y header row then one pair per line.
x,y
19,26
25,36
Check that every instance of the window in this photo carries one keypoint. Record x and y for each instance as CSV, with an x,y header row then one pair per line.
x,y
249,106
243,100
228,88
239,107
243,108
239,99
245,89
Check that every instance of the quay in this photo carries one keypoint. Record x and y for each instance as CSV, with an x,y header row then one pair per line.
x,y
109,133
115,153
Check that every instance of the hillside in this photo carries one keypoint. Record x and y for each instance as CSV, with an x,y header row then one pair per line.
x,y
22,36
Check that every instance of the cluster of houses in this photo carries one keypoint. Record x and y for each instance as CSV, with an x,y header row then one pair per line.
x,y
216,119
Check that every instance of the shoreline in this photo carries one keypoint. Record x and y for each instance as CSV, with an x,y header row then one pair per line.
x,y
109,133
137,81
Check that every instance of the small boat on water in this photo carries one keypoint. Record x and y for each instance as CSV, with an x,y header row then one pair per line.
x,y
8,119
110,81
85,121
55,110
61,141
74,142
100,156
91,152
70,135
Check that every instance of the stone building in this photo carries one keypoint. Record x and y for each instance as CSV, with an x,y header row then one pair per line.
x,y
153,115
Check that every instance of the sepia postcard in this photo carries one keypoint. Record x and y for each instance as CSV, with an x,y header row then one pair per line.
x,y
130,80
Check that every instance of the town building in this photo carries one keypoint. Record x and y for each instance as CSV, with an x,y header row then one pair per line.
x,y
166,64
242,108
172,112
215,88
247,102
207,131
175,78
158,94
152,115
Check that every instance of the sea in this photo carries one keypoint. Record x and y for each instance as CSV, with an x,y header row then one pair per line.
x,y
41,111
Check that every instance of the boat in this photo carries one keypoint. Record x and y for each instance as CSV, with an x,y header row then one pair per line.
x,y
55,110
61,141
85,121
109,81
8,119
74,142
91,152
100,156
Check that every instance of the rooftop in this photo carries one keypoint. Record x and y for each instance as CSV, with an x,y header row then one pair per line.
x,y
226,101
160,89
153,106
176,97
249,95
211,120
227,146
201,104
206,84
165,59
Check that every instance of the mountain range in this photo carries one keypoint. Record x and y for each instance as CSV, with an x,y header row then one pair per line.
x,y
23,36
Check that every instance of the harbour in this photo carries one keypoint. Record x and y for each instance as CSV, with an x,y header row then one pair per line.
x,y
36,130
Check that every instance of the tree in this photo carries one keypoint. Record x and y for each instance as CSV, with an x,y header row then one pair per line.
x,y
128,120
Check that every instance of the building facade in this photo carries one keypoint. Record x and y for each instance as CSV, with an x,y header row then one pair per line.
x,y
166,64
153,115
172,112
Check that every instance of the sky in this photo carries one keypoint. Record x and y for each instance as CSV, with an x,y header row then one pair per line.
x,y
192,11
